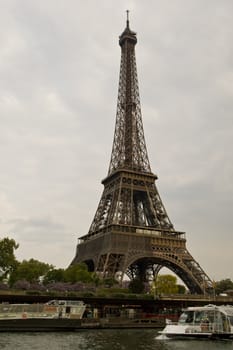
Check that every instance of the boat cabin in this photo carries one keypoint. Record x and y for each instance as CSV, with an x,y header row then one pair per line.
x,y
210,318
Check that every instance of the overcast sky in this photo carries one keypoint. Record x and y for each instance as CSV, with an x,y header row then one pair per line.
x,y
59,71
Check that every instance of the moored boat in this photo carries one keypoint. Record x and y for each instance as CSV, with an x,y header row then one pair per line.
x,y
63,315
210,321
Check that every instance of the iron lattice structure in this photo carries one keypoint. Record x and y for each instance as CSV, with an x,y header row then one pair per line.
x,y
131,232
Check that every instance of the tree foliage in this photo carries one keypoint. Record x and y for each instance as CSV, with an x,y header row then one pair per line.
x,y
54,276
181,289
136,286
8,262
223,285
30,271
165,284
78,273
109,282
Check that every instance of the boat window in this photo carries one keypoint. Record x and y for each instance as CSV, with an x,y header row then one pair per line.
x,y
231,319
199,316
186,317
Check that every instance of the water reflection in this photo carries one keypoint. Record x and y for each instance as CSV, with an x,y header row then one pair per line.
x,y
104,340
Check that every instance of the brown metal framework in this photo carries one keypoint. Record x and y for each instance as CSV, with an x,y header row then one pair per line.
x,y
131,232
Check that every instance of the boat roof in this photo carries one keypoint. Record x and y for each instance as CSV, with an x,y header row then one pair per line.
x,y
226,309
65,302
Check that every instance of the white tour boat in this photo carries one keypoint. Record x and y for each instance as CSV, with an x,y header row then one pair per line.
x,y
210,321
52,316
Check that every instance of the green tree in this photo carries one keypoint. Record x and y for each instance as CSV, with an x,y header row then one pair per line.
x,y
96,279
78,273
136,286
181,289
165,284
109,282
223,285
8,262
54,275
30,271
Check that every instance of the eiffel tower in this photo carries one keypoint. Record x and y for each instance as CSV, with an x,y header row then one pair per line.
x,y
131,233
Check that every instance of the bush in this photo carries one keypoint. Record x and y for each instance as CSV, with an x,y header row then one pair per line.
x,y
37,287
21,285
59,287
3,286
136,286
132,296
118,295
119,290
72,294
51,293
102,295
33,292
147,296
78,287
87,294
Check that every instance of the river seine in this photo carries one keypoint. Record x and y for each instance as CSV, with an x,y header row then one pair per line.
x,y
104,340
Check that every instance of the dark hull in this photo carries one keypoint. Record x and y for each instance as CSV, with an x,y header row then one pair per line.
x,y
199,336
40,325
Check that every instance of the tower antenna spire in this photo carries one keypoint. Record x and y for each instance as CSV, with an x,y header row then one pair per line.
x,y
127,18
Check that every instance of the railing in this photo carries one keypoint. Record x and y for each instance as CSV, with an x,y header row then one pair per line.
x,y
197,297
147,231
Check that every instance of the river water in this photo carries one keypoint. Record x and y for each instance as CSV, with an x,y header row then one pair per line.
x,y
105,340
